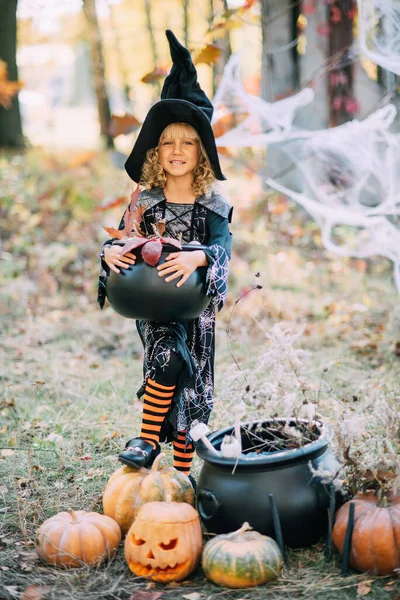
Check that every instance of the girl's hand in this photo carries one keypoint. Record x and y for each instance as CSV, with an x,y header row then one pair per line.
x,y
182,264
112,256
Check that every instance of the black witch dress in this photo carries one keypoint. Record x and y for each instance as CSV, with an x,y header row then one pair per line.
x,y
205,222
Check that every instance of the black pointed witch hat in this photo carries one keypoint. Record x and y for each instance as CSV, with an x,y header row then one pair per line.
x,y
182,101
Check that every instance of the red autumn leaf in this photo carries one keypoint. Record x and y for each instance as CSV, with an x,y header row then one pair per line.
x,y
135,197
123,125
208,55
151,252
154,76
308,9
129,215
115,233
133,243
336,14
172,242
323,29
111,203
248,4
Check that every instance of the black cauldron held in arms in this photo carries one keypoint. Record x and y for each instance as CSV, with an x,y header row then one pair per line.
x,y
140,293
231,491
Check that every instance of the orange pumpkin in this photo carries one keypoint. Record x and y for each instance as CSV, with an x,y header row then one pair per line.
x,y
164,542
241,559
375,544
73,539
128,489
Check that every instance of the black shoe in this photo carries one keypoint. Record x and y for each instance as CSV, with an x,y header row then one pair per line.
x,y
139,453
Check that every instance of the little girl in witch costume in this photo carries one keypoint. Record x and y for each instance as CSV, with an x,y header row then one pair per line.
x,y
175,159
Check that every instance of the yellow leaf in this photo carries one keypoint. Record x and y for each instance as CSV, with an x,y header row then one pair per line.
x,y
8,89
222,27
367,300
209,55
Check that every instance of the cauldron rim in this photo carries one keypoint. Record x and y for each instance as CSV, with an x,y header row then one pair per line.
x,y
307,452
185,247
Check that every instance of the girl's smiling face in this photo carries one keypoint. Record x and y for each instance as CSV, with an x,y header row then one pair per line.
x,y
179,150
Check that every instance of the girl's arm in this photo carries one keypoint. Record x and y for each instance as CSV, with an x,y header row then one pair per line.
x,y
105,269
218,255
180,265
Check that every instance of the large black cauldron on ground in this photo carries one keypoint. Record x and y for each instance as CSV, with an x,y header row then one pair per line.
x,y
140,293
229,495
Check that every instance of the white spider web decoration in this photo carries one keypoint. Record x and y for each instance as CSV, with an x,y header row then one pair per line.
x,y
379,32
261,122
349,175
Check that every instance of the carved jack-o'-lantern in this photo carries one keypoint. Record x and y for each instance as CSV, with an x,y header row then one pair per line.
x,y
164,542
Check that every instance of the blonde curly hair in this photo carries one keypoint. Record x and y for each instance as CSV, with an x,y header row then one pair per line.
x,y
153,175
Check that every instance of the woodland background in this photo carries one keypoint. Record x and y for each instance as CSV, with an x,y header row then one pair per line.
x,y
87,75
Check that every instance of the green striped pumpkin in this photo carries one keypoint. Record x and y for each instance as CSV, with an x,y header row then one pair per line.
x,y
241,559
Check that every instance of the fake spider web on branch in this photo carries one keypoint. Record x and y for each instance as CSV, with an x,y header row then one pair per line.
x,y
250,120
346,177
349,176
379,32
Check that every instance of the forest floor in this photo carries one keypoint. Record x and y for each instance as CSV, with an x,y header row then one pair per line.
x,y
69,372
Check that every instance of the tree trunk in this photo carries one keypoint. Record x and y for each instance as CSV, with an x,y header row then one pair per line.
x,y
342,105
294,29
265,58
186,22
150,29
96,52
10,120
225,44
121,62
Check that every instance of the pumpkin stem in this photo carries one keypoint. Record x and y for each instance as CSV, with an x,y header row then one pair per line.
x,y
245,527
73,516
155,466
384,502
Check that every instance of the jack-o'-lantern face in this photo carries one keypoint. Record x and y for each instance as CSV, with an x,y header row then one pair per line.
x,y
164,543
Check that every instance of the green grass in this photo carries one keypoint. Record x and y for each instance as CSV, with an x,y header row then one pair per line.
x,y
69,374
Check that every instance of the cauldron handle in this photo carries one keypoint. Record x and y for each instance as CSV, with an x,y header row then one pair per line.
x,y
215,504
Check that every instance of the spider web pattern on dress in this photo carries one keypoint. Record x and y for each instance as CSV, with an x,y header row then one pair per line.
x,y
195,401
